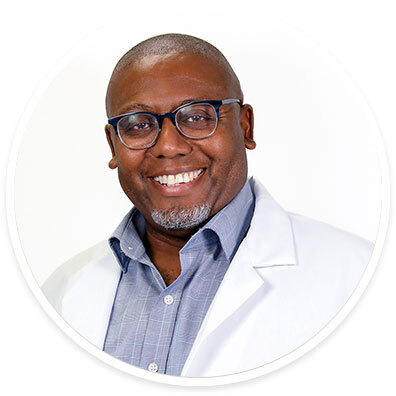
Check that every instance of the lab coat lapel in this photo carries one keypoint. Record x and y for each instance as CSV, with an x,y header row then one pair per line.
x,y
269,243
88,305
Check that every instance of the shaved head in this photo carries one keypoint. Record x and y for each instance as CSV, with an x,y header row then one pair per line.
x,y
173,44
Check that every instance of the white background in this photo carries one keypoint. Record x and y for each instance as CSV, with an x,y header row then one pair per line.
x,y
357,358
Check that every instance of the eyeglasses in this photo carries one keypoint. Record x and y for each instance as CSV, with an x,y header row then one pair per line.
x,y
196,120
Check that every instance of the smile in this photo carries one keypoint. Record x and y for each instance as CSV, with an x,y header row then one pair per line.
x,y
180,178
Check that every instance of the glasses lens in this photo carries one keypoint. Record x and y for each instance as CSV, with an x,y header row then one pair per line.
x,y
197,120
138,130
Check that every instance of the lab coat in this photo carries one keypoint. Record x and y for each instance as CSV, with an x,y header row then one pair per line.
x,y
288,279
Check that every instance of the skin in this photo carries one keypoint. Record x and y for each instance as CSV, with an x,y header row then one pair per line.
x,y
159,85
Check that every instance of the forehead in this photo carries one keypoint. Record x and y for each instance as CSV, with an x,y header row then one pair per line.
x,y
163,82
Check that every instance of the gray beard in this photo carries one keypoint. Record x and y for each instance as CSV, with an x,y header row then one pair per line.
x,y
181,218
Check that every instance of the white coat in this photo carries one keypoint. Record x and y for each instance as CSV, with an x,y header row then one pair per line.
x,y
288,279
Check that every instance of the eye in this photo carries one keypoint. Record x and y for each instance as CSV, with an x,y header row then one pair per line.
x,y
141,125
195,118
137,124
138,127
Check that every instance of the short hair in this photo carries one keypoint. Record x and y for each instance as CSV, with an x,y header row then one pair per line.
x,y
174,43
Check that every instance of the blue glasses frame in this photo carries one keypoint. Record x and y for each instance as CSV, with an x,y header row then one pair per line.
x,y
172,115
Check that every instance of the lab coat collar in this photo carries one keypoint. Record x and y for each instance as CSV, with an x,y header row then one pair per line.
x,y
270,240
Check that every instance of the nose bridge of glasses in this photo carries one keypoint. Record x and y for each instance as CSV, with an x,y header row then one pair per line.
x,y
170,140
169,133
161,118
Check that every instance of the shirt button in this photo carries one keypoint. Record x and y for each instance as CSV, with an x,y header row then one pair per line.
x,y
168,300
153,367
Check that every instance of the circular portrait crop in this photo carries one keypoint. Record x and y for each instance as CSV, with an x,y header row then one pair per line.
x,y
198,207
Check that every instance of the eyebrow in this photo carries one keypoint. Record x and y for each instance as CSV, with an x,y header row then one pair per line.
x,y
143,107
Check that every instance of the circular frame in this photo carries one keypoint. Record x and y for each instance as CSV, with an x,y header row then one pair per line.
x,y
186,381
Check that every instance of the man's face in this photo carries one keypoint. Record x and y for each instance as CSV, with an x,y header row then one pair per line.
x,y
160,85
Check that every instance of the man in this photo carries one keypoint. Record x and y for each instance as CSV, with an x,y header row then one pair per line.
x,y
206,275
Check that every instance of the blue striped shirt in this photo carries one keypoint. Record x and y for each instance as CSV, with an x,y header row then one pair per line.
x,y
153,326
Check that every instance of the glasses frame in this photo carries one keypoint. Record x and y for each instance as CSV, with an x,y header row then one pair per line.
x,y
172,115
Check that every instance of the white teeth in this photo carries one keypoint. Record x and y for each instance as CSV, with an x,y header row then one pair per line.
x,y
171,180
175,180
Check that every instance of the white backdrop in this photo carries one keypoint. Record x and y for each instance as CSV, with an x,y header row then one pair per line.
x,y
358,356
316,136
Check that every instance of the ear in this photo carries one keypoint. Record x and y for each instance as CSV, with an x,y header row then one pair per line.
x,y
113,162
247,124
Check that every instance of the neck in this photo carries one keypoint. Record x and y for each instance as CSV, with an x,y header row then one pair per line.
x,y
163,249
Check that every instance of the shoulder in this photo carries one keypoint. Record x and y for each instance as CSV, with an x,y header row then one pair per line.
x,y
319,238
66,275
321,255
328,249
325,236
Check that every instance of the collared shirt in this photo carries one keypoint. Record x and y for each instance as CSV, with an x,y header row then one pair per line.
x,y
153,326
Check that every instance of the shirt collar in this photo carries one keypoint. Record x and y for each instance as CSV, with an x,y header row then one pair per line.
x,y
126,240
230,224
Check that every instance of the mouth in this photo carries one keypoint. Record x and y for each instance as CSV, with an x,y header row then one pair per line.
x,y
182,184
179,178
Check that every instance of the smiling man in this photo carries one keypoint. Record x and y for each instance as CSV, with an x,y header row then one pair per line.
x,y
206,275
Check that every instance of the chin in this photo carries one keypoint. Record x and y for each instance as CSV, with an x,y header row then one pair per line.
x,y
181,218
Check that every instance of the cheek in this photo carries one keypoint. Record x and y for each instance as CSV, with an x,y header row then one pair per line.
x,y
128,164
229,154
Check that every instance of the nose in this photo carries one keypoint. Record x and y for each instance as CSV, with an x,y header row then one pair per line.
x,y
170,142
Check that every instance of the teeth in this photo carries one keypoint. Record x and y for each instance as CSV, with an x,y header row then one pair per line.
x,y
175,180
171,180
